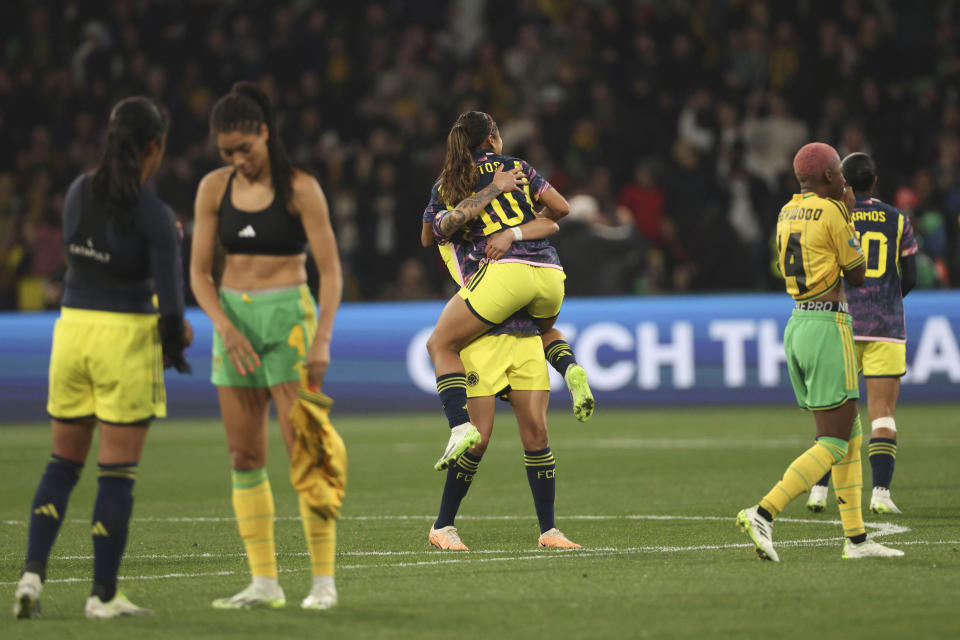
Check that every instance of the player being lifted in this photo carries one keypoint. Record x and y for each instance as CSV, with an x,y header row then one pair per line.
x,y
878,323
816,244
528,276
509,362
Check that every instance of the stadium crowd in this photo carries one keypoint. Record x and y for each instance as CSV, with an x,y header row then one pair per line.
x,y
669,125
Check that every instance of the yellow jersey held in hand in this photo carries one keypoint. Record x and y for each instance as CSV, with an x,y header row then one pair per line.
x,y
816,241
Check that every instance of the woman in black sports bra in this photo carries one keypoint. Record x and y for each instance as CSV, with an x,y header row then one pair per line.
x,y
264,211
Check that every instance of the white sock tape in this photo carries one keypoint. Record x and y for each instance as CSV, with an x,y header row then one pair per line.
x,y
884,423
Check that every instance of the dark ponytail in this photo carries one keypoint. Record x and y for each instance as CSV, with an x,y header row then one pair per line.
x,y
459,174
245,109
134,122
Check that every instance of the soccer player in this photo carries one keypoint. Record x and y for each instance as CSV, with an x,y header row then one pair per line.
x,y
108,352
507,362
816,244
878,323
264,211
528,276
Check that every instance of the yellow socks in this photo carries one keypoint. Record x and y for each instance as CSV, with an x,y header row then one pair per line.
x,y
253,506
848,484
321,534
804,472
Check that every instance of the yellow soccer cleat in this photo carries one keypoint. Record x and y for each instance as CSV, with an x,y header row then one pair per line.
x,y
576,379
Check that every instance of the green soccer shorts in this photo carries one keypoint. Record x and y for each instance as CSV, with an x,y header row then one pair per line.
x,y
821,358
279,324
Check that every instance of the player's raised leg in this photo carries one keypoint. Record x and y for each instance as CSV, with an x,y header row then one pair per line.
x,y
562,359
456,327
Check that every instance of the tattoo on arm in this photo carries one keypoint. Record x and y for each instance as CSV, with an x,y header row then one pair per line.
x,y
451,221
468,209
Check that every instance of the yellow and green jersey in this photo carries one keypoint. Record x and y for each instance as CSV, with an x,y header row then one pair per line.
x,y
816,241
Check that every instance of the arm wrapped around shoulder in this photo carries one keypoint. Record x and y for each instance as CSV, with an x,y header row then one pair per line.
x,y
176,335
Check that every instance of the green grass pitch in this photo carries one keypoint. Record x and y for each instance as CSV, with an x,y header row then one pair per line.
x,y
651,494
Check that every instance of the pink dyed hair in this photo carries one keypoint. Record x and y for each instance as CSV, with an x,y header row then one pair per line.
x,y
815,158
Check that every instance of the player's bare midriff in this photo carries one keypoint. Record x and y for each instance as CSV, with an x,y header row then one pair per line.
x,y
248,272
837,294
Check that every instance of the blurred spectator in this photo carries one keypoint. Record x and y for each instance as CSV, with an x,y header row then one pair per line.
x,y
717,96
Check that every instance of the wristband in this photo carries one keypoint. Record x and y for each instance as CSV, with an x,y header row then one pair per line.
x,y
517,234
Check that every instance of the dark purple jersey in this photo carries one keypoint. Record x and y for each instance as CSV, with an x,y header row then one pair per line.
x,y
503,212
877,306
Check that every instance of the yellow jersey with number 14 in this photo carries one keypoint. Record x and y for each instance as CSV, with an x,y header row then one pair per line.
x,y
816,241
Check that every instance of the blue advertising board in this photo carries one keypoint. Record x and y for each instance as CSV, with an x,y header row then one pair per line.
x,y
705,349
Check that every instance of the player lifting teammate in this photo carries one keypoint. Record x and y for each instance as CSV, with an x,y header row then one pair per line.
x,y
527,276
509,362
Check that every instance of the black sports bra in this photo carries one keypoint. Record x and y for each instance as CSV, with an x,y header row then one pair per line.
x,y
272,231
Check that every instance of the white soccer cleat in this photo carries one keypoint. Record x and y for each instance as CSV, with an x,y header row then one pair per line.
x,y
868,549
817,501
97,609
760,532
880,501
461,438
26,601
446,538
322,596
262,592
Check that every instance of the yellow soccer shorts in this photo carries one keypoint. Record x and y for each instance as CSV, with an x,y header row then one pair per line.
x,y
877,359
106,365
493,363
500,289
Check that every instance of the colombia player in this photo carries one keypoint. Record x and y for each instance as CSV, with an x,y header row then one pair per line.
x,y
528,276
878,323
507,362
106,362
816,245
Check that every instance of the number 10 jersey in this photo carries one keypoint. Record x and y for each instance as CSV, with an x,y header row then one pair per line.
x,y
877,306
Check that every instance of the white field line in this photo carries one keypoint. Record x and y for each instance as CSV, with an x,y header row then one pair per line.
x,y
880,529
659,444
215,519
471,557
